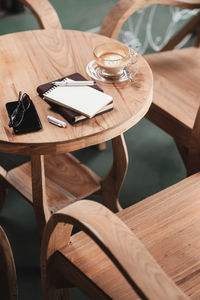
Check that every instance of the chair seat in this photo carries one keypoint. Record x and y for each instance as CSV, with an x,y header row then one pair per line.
x,y
168,224
176,89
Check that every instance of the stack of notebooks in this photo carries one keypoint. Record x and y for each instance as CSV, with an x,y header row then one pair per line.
x,y
75,103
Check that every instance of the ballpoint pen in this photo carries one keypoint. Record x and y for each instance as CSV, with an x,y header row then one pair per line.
x,y
73,83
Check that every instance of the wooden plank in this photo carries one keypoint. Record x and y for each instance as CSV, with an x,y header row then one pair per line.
x,y
67,180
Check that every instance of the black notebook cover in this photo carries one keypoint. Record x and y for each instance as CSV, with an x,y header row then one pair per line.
x,y
71,116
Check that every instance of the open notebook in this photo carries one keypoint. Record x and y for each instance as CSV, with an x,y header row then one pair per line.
x,y
82,99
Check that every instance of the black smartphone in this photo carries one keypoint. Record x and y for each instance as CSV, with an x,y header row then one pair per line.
x,y
30,122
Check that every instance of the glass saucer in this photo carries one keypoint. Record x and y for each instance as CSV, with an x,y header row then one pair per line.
x,y
95,72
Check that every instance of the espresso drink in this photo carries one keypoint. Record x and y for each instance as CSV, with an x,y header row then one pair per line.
x,y
112,58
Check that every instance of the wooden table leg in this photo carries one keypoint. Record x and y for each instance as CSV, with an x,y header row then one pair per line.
x,y
40,204
112,182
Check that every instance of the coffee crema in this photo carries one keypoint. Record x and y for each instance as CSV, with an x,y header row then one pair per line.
x,y
111,59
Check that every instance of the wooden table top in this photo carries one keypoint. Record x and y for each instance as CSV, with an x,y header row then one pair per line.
x,y
31,58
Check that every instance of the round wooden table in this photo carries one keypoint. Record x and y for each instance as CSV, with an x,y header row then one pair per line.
x,y
53,179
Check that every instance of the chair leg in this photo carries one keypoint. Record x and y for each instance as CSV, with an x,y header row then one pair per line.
x,y
3,187
193,162
191,158
52,293
3,192
183,151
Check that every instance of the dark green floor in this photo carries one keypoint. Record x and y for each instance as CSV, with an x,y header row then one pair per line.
x,y
154,160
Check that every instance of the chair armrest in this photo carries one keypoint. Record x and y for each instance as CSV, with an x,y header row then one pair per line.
x,y
119,243
44,12
125,8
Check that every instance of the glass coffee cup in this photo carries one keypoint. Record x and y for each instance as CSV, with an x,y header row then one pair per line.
x,y
114,59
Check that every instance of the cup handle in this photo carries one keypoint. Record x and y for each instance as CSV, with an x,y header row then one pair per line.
x,y
131,68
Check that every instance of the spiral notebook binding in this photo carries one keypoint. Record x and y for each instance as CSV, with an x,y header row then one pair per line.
x,y
49,90
54,87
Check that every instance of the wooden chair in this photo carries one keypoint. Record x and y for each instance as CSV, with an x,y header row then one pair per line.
x,y
113,262
176,99
8,280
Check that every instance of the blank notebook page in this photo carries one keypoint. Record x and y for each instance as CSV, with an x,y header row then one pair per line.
x,y
85,100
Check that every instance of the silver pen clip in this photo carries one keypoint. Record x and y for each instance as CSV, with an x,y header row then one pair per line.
x,y
56,122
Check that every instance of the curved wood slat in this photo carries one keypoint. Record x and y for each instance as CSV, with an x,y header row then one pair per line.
x,y
125,8
8,280
117,241
44,12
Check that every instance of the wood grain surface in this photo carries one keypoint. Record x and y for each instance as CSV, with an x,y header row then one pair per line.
x,y
167,223
31,58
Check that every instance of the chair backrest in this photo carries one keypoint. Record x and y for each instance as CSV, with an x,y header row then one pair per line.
x,y
8,280
125,8
44,12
